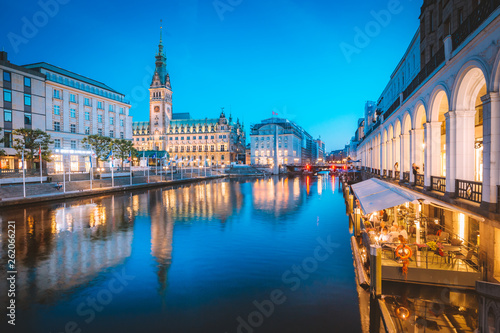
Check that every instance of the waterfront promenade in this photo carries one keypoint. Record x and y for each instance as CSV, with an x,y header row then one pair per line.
x,y
40,192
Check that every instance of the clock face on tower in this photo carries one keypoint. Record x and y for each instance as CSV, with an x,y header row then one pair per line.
x,y
157,109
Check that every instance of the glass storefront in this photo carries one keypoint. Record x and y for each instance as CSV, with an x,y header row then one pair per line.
x,y
74,163
7,163
58,163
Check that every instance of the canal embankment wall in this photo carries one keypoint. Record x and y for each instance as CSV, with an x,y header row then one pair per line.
x,y
97,191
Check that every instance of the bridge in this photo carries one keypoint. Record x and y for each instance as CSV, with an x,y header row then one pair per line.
x,y
315,168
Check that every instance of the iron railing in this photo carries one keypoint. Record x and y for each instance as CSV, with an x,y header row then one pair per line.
x,y
389,173
438,184
406,177
13,173
397,174
391,109
420,180
473,21
469,190
427,70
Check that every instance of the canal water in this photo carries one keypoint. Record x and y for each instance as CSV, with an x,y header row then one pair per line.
x,y
252,255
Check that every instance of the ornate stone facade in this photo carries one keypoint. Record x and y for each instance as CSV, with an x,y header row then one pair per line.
x,y
217,141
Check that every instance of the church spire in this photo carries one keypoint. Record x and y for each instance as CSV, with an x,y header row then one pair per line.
x,y
160,75
161,30
160,45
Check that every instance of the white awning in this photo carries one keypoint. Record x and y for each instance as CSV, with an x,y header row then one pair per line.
x,y
375,195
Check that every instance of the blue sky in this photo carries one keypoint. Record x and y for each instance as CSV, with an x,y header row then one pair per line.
x,y
251,57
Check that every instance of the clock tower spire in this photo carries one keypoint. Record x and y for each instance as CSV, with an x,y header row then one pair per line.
x,y
160,98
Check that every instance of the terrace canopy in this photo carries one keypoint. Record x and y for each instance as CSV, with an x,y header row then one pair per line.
x,y
375,195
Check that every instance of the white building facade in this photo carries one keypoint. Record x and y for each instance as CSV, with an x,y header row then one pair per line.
x,y
293,142
76,107
446,121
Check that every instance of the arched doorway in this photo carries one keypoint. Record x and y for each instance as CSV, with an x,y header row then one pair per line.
x,y
439,109
405,144
397,148
469,124
390,150
420,144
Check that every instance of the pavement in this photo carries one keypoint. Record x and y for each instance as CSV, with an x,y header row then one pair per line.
x,y
37,192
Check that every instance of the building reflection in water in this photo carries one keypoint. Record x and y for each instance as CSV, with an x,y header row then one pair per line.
x,y
280,196
216,200
62,246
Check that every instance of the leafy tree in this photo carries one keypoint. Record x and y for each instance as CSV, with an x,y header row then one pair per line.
x,y
122,148
30,141
100,145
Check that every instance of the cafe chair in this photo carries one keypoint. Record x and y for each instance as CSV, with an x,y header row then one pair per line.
x,y
444,237
467,259
440,256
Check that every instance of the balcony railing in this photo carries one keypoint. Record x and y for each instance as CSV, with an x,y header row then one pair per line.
x,y
473,21
406,177
462,257
420,180
391,109
397,174
438,184
433,63
389,173
469,190
384,172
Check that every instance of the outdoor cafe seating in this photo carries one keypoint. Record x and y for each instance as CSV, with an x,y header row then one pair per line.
x,y
432,245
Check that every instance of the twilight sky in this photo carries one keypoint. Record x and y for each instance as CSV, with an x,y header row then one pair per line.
x,y
249,56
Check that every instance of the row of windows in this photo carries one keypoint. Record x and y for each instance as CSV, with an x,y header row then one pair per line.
x,y
72,129
268,153
199,129
268,145
57,144
268,138
82,86
200,137
7,97
7,77
199,158
196,148
72,114
86,101
7,117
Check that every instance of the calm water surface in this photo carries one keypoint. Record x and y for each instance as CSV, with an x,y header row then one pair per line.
x,y
260,255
